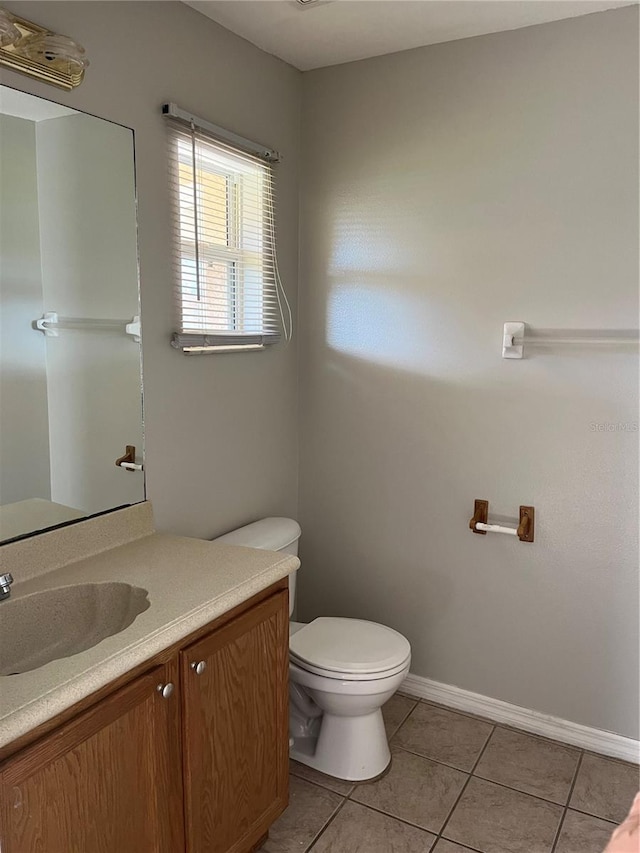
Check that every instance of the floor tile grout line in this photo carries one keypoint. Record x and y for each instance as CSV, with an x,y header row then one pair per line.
x,y
597,817
566,807
453,710
395,817
410,698
464,846
556,837
575,777
482,751
322,829
318,785
434,760
453,808
518,791
405,718
612,758
562,743
464,787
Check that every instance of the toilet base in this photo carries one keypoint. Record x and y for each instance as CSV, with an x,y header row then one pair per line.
x,y
351,748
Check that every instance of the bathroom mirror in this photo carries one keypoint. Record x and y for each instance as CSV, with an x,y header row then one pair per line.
x,y
70,365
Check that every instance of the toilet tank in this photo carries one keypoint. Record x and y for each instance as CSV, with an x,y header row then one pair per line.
x,y
269,534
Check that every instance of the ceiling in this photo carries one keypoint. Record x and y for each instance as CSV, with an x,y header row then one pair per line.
x,y
328,32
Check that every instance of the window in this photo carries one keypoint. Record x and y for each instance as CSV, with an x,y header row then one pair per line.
x,y
228,291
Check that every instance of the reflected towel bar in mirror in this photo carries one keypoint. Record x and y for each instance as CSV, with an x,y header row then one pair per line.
x,y
50,322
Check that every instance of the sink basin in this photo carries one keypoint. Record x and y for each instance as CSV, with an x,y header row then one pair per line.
x,y
58,623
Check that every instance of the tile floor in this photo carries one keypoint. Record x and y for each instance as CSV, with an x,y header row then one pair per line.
x,y
459,784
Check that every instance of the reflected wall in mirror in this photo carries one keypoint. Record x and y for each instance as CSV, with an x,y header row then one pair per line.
x,y
71,392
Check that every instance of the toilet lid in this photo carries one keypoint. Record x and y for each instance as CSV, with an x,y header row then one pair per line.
x,y
349,646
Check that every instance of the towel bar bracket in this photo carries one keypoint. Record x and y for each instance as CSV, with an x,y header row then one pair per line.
x,y
526,528
480,515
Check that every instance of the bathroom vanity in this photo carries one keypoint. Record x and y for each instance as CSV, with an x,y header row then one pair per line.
x,y
171,735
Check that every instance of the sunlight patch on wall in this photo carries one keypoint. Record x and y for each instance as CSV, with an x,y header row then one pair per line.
x,y
378,323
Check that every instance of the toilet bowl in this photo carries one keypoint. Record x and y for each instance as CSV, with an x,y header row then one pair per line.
x,y
341,672
347,739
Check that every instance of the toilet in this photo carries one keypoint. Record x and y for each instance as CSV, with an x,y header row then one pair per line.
x,y
341,672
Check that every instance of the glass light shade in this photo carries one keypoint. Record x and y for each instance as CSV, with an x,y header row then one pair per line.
x,y
9,33
60,52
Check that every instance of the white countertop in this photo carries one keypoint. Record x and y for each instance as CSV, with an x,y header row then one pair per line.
x,y
190,582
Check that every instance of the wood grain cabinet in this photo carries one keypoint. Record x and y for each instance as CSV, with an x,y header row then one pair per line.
x,y
190,755
235,746
103,782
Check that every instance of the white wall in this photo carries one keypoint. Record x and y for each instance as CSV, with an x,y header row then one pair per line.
x,y
87,203
220,431
446,190
24,442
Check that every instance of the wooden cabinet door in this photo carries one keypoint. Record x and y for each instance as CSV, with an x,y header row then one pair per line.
x,y
109,781
235,729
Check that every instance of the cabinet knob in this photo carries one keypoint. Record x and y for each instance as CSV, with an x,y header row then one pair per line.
x,y
199,667
165,690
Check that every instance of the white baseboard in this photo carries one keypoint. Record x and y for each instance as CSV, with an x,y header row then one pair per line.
x,y
595,740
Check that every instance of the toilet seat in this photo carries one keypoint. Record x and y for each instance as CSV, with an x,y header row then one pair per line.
x,y
349,649
347,676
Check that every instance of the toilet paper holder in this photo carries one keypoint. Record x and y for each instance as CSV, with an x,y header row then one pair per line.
x,y
524,531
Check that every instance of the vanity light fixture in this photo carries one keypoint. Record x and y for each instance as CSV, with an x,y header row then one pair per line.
x,y
9,33
31,49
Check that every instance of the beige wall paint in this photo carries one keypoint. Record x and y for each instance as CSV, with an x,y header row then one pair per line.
x,y
446,190
220,431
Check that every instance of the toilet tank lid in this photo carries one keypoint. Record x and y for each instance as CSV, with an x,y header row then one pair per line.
x,y
270,534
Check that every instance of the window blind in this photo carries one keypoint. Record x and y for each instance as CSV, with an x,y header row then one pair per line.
x,y
228,293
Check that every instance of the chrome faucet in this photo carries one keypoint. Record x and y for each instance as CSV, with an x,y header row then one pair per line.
x,y
5,586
